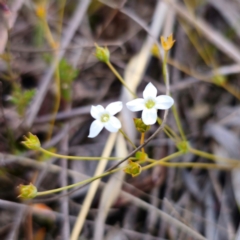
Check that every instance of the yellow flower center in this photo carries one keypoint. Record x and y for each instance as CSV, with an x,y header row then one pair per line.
x,y
105,117
150,104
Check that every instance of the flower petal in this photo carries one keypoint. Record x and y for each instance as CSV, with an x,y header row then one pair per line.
x,y
113,125
136,105
114,107
96,111
149,116
149,91
164,102
95,128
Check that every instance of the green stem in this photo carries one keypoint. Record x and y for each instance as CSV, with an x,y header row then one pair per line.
x,y
142,141
177,154
232,90
115,72
76,184
175,114
164,67
214,157
126,137
76,157
169,132
196,165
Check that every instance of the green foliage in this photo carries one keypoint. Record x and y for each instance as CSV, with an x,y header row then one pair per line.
x,y
38,37
21,99
67,74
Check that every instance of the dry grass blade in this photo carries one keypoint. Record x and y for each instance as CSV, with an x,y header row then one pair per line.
x,y
165,217
7,20
226,138
111,192
28,162
3,38
93,187
230,11
211,34
68,35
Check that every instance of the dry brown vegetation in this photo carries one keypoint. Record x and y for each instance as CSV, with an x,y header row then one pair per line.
x,y
161,202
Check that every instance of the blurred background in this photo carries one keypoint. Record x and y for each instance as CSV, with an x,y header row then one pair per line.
x,y
50,78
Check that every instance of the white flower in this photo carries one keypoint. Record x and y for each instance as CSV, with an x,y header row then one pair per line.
x,y
104,118
149,104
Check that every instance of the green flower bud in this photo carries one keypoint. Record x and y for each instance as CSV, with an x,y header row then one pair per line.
x,y
219,80
141,156
140,126
133,168
27,191
102,54
31,142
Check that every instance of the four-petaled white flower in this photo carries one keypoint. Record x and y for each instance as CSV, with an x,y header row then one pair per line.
x,y
104,118
149,104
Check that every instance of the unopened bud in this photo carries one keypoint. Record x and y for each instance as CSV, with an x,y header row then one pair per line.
x,y
102,54
31,142
155,50
133,168
41,11
219,80
27,191
140,125
141,156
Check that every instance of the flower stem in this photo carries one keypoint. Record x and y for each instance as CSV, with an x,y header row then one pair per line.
x,y
76,184
195,165
175,114
54,46
142,141
126,137
214,157
115,72
169,132
76,157
232,90
164,162
178,122
48,34
57,101
164,66
177,154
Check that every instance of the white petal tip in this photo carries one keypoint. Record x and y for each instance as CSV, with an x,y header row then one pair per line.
x,y
90,136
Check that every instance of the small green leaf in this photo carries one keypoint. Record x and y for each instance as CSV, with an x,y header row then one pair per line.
x,y
21,99
67,74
